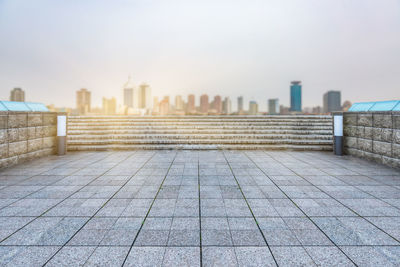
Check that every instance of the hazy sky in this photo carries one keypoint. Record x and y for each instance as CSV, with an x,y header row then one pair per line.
x,y
51,48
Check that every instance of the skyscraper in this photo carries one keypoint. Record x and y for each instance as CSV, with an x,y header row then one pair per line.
x,y
144,95
191,107
83,101
179,102
332,101
217,104
204,105
164,106
240,104
109,106
295,96
253,108
128,93
227,106
273,106
17,94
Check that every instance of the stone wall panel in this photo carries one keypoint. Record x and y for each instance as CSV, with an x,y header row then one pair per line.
x,y
350,119
22,136
364,120
12,121
396,121
35,144
12,135
360,132
382,148
39,132
396,151
368,132
3,151
377,136
35,120
3,136
31,133
17,148
382,120
49,142
3,121
350,142
382,134
364,144
396,136
22,120
49,119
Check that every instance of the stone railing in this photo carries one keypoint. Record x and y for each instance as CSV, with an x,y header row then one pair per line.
x,y
26,135
373,135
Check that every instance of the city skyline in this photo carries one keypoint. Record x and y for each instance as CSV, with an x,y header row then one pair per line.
x,y
135,91
137,100
350,46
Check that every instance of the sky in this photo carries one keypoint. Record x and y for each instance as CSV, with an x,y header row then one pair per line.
x,y
252,48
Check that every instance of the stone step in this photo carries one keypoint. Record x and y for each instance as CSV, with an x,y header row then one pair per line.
x,y
215,122
197,131
200,132
199,147
198,136
161,127
197,141
200,117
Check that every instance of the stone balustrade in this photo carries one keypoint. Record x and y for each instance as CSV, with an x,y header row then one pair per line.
x,y
373,135
26,135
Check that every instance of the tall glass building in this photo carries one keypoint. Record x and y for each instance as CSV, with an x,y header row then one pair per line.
x,y
273,106
295,96
332,101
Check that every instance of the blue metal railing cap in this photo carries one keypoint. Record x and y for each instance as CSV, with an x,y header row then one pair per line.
x,y
22,106
390,105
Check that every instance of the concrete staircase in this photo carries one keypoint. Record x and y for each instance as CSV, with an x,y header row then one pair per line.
x,y
199,132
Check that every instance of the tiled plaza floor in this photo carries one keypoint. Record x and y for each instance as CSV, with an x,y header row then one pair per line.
x,y
192,208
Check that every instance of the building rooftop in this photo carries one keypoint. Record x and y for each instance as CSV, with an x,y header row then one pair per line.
x,y
192,208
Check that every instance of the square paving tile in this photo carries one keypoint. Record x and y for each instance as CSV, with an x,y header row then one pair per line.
x,y
184,208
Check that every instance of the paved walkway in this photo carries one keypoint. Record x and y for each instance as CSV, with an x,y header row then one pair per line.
x,y
192,208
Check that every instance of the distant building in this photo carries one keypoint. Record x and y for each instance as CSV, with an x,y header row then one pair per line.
x,y
273,106
129,92
204,104
144,95
179,104
253,108
295,96
284,110
191,104
164,106
240,104
166,99
17,94
332,101
227,106
109,106
156,105
307,110
217,104
317,110
346,105
83,101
